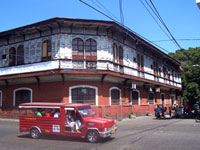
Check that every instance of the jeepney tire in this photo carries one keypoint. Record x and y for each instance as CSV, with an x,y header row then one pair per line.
x,y
92,136
35,133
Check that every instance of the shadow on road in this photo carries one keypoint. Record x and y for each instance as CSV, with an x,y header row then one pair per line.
x,y
64,138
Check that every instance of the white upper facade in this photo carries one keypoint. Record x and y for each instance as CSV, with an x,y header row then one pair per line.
x,y
134,59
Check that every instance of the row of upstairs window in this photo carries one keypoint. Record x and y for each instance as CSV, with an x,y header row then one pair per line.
x,y
16,56
78,47
79,50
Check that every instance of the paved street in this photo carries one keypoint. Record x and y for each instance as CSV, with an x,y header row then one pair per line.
x,y
143,133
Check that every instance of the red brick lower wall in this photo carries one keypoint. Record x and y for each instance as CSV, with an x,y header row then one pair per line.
x,y
143,109
59,92
120,112
116,112
9,113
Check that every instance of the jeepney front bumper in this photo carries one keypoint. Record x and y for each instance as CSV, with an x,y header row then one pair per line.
x,y
108,133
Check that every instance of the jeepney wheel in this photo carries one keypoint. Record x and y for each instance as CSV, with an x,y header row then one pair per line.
x,y
35,133
92,136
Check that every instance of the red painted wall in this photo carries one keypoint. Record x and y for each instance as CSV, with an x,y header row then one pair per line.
x,y
59,92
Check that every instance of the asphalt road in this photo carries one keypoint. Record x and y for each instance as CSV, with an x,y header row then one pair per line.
x,y
143,133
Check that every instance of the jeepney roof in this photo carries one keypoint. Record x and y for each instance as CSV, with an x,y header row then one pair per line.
x,y
50,105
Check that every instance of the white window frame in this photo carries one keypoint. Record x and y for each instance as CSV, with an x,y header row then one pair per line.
x,y
83,86
24,88
138,97
110,94
1,93
153,99
161,98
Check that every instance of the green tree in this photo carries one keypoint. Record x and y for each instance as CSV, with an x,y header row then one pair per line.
x,y
190,61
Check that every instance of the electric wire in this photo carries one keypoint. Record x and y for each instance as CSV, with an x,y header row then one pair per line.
x,y
99,11
101,6
128,29
162,21
177,40
154,19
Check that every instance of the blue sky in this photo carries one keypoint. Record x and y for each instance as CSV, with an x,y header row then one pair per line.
x,y
181,16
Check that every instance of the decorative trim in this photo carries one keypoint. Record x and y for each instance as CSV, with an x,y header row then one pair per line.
x,y
110,95
83,86
153,99
138,96
24,88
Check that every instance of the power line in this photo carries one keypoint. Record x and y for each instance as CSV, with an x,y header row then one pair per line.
x,y
154,19
128,29
177,40
160,18
156,13
101,6
99,11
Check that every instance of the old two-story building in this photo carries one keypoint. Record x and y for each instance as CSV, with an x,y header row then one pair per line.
x,y
85,61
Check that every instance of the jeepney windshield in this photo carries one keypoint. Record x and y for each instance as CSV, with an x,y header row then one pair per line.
x,y
86,111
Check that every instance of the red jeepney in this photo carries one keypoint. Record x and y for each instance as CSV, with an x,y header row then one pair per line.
x,y
53,118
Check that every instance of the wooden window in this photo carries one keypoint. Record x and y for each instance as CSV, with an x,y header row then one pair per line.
x,y
151,98
20,55
135,97
22,96
115,52
121,53
84,95
12,56
165,71
142,61
91,47
138,60
77,47
46,50
168,74
115,97
155,67
173,76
